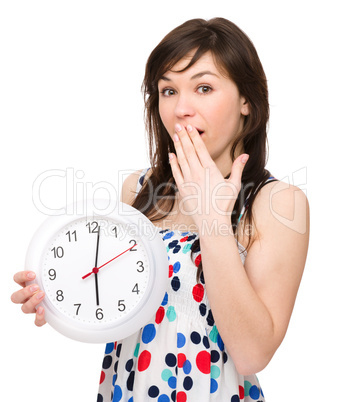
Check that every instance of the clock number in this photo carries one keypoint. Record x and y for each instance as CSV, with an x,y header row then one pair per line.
x,y
115,231
69,234
52,274
93,229
99,314
121,306
77,312
58,252
60,295
133,241
136,289
141,266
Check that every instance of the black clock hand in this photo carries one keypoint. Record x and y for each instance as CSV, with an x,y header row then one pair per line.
x,y
96,265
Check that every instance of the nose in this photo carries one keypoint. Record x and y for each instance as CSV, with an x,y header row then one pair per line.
x,y
184,106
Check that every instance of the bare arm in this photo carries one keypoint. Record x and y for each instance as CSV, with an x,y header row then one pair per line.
x,y
252,304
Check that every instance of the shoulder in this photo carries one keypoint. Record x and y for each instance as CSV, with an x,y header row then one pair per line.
x,y
281,206
130,185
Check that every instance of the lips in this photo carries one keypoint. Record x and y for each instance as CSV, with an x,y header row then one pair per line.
x,y
199,131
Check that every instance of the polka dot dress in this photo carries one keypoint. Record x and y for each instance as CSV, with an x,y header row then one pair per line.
x,y
179,355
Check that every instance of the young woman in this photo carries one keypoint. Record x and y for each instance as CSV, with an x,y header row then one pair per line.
x,y
236,237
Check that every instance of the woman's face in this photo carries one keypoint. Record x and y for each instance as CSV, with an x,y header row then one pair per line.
x,y
204,98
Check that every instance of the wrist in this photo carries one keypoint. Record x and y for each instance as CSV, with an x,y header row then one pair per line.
x,y
217,226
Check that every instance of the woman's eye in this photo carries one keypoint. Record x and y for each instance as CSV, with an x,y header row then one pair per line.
x,y
168,92
204,89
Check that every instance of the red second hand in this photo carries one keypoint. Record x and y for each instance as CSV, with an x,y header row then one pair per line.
x,y
95,270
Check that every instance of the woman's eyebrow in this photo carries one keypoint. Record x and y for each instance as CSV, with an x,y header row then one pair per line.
x,y
194,77
199,75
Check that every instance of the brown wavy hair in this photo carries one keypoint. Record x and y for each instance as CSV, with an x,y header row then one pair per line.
x,y
236,57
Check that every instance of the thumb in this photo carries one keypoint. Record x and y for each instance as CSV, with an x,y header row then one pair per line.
x,y
237,169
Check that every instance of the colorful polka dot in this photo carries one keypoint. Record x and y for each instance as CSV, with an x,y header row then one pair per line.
x,y
202,309
198,292
195,337
181,397
130,381
175,283
170,360
197,260
188,383
254,392
109,348
165,300
102,377
181,340
166,374
203,361
171,314
168,235
136,350
214,386
160,314
215,372
129,365
181,360
176,267
215,356
214,334
153,391
148,333
144,360
117,394
187,367
186,248
172,382
107,362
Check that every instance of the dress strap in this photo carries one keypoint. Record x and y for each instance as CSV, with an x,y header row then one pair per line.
x,y
141,180
246,204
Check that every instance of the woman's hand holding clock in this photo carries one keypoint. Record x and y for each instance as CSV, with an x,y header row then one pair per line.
x,y
30,296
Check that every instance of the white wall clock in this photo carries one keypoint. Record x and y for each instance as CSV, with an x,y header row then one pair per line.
x,y
104,273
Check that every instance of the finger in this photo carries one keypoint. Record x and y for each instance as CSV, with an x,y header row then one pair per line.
x,y
21,296
40,317
23,276
177,174
200,147
188,146
31,304
181,157
237,169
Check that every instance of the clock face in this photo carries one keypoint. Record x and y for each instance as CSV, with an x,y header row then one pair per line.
x,y
104,274
95,272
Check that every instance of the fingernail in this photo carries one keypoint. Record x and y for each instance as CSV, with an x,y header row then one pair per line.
x,y
170,156
39,310
33,288
244,159
189,128
178,127
30,275
175,137
40,295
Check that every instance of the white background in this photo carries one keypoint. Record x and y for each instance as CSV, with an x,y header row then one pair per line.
x,y
70,101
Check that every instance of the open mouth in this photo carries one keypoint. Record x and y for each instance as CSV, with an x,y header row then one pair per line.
x,y
200,131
